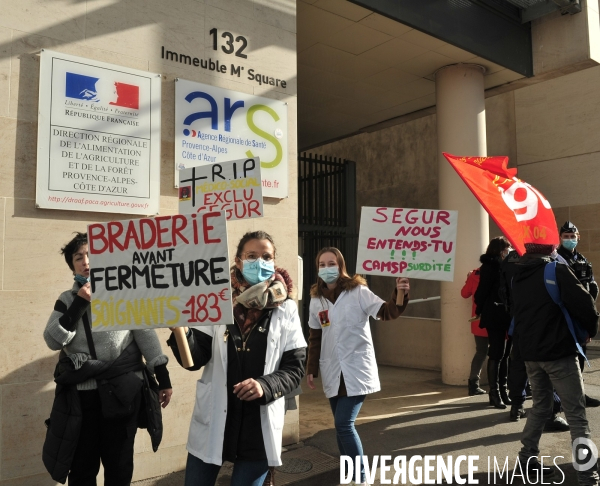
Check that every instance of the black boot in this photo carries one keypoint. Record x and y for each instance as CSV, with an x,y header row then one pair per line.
x,y
591,402
492,369
556,424
502,380
474,388
517,413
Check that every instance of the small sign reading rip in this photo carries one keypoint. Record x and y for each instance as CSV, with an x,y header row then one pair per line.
x,y
232,187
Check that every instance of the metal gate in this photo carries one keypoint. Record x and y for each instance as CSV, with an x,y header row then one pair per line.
x,y
326,214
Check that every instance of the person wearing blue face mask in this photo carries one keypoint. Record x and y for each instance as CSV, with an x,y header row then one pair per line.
x,y
569,239
249,367
341,346
582,268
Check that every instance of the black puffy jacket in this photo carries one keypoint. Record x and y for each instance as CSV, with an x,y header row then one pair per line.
x,y
490,305
65,420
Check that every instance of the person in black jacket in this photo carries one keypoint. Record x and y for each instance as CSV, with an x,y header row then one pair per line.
x,y
495,319
569,239
549,351
517,373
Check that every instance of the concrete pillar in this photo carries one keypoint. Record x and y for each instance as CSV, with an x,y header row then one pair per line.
x,y
461,131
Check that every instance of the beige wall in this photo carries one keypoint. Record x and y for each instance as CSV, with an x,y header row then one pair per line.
x,y
32,273
409,342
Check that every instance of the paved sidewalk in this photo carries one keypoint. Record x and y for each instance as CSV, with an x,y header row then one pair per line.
x,y
416,414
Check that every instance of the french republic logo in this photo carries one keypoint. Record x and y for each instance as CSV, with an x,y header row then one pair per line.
x,y
89,88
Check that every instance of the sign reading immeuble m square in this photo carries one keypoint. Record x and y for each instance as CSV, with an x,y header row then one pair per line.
x,y
98,136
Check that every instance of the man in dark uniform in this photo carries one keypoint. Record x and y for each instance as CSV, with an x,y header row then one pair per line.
x,y
569,238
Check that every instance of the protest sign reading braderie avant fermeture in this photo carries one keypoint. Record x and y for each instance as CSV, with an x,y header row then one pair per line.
x,y
402,242
233,187
166,271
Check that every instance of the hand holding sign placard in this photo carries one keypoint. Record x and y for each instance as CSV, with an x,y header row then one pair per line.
x,y
168,271
402,242
233,187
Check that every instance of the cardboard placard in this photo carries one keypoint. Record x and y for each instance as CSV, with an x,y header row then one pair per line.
x,y
167,271
233,187
403,242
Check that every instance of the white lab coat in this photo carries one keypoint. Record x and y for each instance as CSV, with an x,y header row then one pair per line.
x,y
346,343
207,428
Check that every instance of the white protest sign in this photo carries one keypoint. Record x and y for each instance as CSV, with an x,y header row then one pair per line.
x,y
214,125
98,136
166,271
233,187
402,242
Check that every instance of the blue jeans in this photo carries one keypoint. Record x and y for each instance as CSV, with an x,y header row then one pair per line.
x,y
345,410
245,473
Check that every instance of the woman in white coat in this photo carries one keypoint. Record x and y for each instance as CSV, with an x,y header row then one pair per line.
x,y
340,343
248,368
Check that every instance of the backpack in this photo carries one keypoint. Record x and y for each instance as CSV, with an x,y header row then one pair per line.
x,y
579,334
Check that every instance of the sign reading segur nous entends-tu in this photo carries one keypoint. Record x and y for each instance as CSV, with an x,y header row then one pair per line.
x,y
215,125
160,272
401,242
233,187
98,136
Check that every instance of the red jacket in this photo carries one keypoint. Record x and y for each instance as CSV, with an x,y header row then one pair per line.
x,y
467,291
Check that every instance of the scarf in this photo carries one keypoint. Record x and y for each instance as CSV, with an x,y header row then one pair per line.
x,y
81,279
251,301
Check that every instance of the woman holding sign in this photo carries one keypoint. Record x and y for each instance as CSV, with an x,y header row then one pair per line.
x,y
340,342
102,384
249,366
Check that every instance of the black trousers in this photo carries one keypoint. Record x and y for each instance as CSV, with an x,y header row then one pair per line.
x,y
109,441
499,346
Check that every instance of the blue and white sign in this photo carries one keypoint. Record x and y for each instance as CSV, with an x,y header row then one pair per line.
x,y
98,137
214,125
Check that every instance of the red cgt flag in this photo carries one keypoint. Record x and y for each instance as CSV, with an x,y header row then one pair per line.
x,y
521,211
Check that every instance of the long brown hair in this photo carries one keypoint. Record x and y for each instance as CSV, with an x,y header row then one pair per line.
x,y
345,281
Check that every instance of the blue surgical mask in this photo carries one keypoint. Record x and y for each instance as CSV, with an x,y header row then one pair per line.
x,y
257,271
81,279
569,244
329,275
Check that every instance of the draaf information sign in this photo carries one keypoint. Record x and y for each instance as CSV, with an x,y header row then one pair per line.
x,y
166,271
215,125
98,137
402,242
233,187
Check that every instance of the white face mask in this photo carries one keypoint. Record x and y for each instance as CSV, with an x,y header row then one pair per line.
x,y
329,275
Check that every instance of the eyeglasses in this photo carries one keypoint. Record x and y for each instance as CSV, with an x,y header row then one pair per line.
x,y
252,257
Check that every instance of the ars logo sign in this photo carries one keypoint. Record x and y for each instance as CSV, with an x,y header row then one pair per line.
x,y
214,125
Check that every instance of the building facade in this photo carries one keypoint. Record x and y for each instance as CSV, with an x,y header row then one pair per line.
x,y
363,82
